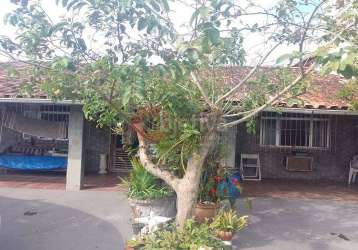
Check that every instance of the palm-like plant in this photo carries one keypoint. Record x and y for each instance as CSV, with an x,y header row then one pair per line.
x,y
143,185
229,221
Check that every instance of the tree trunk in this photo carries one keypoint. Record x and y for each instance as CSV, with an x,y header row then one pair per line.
x,y
187,187
186,200
187,190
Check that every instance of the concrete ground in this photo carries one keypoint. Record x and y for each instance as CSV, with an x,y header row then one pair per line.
x,y
38,219
300,224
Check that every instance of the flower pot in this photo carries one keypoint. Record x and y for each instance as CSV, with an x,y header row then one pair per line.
x,y
165,206
225,235
205,211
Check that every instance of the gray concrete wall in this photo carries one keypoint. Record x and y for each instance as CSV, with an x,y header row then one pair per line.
x,y
75,162
330,164
96,141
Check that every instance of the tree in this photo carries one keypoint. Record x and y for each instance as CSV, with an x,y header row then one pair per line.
x,y
342,55
130,66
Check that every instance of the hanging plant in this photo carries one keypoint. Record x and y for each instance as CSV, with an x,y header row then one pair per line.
x,y
150,122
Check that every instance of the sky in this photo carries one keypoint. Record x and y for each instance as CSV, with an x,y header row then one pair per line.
x,y
253,43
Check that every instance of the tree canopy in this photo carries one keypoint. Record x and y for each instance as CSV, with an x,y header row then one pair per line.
x,y
131,65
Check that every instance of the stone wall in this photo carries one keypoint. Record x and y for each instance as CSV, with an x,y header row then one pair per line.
x,y
328,164
96,141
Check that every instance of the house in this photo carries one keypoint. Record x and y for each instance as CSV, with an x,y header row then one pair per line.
x,y
37,131
311,139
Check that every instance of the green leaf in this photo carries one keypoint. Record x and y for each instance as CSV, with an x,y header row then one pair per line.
x,y
205,47
204,11
214,36
162,69
142,23
79,6
152,24
193,54
165,5
347,72
126,95
283,58
194,16
330,67
72,3
155,5
64,3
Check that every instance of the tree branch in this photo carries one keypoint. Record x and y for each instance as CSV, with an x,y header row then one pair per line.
x,y
304,34
205,96
271,101
248,76
148,164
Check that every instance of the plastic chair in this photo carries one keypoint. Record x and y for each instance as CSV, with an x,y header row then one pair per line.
x,y
353,169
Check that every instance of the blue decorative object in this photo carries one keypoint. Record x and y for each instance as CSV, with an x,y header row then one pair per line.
x,y
230,187
29,162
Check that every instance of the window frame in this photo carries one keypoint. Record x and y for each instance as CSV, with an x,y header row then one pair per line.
x,y
278,130
45,109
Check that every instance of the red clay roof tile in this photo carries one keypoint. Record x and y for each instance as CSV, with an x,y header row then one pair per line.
x,y
322,92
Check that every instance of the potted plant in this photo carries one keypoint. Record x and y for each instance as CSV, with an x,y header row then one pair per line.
x,y
226,223
147,194
207,205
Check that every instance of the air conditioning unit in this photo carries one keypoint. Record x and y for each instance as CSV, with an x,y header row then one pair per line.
x,y
299,163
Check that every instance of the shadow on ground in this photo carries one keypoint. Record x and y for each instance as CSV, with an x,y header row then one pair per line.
x,y
299,224
38,225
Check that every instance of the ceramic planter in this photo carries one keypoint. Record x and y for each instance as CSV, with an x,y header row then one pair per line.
x,y
205,211
165,206
225,235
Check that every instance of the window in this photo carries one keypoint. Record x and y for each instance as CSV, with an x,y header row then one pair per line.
x,y
57,113
287,130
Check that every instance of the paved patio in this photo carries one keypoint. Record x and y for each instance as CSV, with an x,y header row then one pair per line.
x,y
37,219
299,224
57,181
290,189
295,215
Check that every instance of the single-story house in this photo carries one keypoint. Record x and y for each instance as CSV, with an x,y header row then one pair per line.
x,y
313,139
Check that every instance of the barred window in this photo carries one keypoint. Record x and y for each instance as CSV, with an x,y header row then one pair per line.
x,y
287,130
57,113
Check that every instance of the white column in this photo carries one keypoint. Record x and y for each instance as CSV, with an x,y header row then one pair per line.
x,y
75,168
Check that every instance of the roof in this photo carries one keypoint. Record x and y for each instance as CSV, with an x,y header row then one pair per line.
x,y
12,86
321,92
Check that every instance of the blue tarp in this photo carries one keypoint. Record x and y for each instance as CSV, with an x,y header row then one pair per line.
x,y
29,162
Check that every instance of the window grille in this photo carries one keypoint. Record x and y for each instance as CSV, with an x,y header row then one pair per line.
x,y
57,113
294,130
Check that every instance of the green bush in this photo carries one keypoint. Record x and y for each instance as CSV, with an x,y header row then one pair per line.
x,y
143,185
193,237
228,221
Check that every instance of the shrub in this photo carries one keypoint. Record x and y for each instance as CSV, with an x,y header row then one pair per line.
x,y
143,185
193,236
228,221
